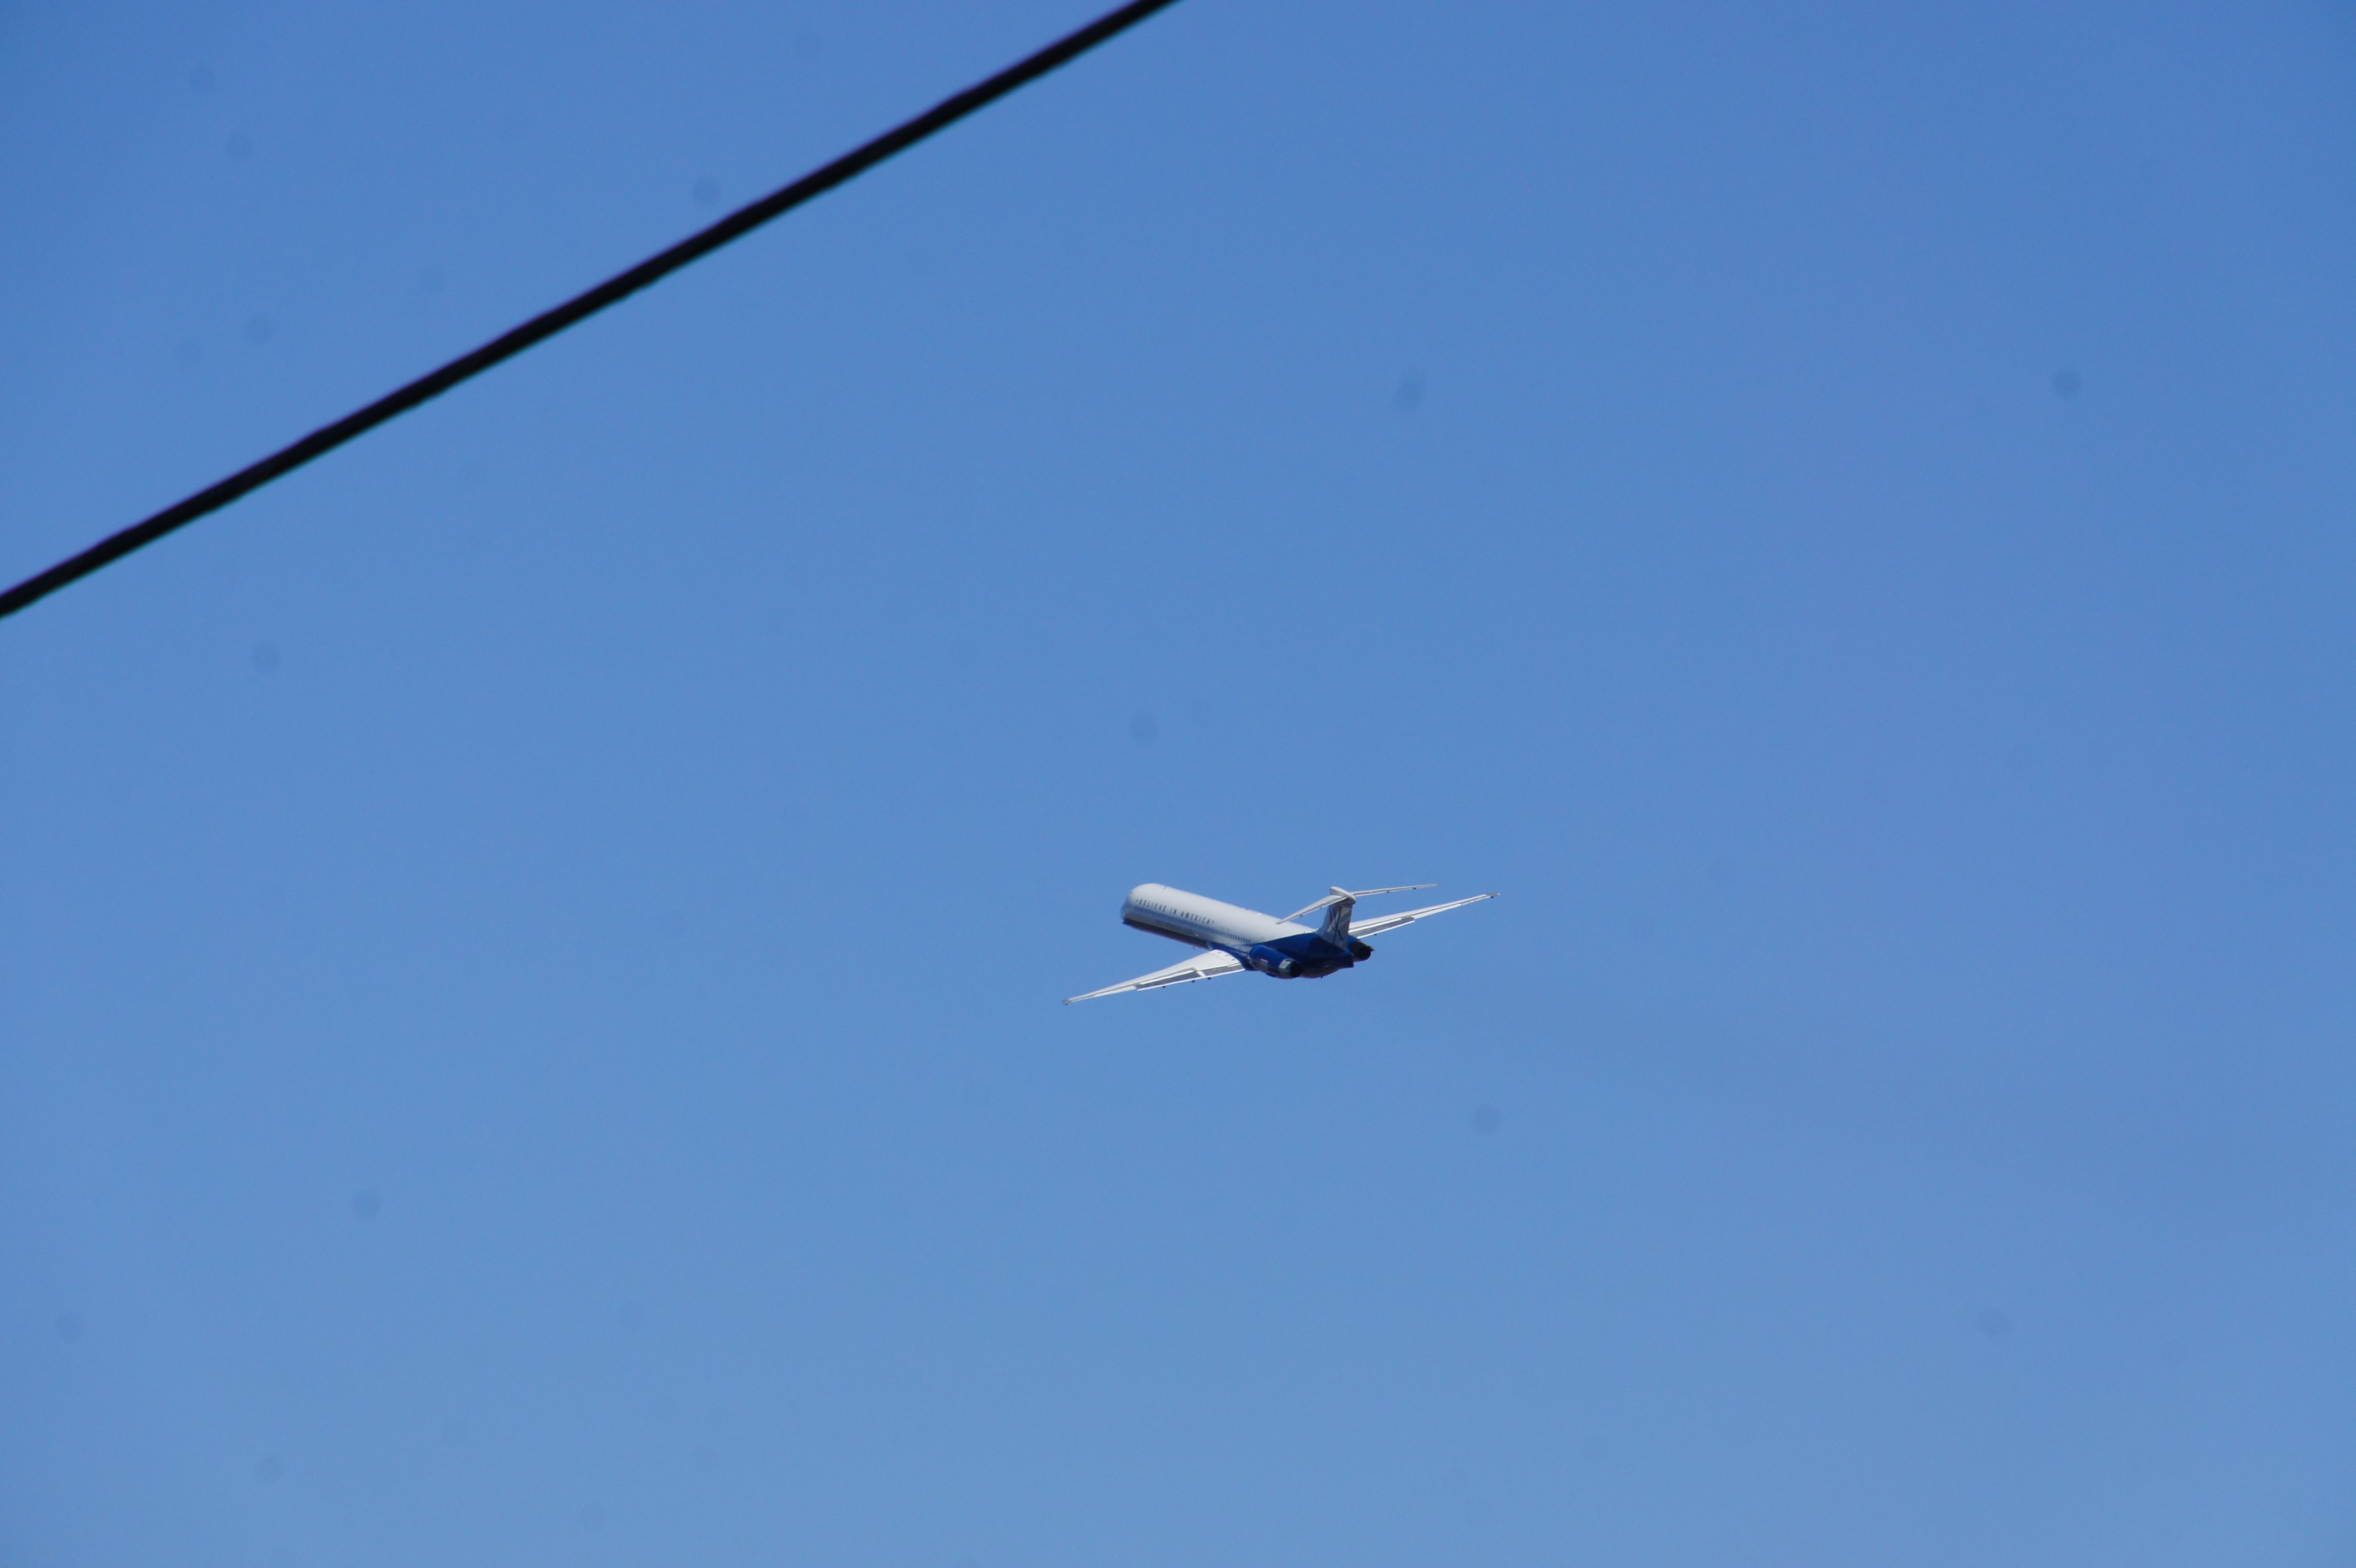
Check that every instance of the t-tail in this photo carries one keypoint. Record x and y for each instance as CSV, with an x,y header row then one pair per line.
x,y
1340,904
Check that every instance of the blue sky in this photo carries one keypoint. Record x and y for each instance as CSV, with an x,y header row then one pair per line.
x,y
529,951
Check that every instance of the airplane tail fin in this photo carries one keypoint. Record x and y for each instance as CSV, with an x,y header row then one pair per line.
x,y
1339,902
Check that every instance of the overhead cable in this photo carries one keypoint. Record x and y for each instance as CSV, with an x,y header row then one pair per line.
x,y
744,221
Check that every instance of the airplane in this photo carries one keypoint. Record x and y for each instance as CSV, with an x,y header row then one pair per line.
x,y
1238,939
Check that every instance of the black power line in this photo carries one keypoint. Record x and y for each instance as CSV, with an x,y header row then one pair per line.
x,y
744,221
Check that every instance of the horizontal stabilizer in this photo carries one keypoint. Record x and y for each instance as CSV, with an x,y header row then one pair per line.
x,y
1337,894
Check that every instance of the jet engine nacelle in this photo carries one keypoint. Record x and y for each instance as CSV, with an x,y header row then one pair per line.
x,y
1267,961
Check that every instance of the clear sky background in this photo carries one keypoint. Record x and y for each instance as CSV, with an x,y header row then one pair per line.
x,y
530,953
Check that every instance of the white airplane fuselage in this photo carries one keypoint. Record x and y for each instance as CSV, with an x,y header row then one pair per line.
x,y
1284,949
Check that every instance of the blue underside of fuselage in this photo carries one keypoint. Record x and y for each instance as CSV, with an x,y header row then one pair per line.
x,y
1312,953
1315,955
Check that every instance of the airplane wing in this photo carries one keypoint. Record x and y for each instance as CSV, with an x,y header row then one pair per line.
x,y
1202,966
1382,923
